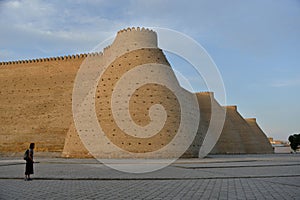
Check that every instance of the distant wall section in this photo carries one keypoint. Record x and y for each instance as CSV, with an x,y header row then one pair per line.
x,y
240,136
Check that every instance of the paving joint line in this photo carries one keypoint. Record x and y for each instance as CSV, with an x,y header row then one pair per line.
x,y
210,167
292,185
153,179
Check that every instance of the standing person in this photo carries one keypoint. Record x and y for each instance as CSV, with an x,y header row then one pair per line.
x,y
29,163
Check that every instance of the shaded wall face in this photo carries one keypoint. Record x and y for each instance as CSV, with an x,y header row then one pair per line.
x,y
205,101
36,104
232,138
263,144
240,136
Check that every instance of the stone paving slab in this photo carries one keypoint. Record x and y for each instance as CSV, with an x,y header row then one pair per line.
x,y
217,177
242,188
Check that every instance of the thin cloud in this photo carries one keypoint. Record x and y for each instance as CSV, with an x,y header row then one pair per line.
x,y
5,53
286,83
50,28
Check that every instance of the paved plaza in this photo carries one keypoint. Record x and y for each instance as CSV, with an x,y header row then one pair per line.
x,y
275,176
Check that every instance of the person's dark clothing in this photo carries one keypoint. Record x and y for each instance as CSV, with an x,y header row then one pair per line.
x,y
29,163
29,168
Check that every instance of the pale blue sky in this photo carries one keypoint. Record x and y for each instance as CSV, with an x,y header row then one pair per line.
x,y
255,44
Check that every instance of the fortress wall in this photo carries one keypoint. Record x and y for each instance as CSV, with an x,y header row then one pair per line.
x,y
35,101
36,95
128,40
126,53
206,102
139,106
246,133
238,137
131,38
263,144
231,139
36,104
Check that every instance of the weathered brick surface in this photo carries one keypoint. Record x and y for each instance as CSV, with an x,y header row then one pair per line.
x,y
36,104
241,136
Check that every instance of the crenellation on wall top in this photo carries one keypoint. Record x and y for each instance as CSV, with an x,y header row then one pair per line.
x,y
132,29
50,59
78,56
105,49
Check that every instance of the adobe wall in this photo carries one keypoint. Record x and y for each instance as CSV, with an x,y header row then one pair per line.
x,y
238,137
206,102
263,144
35,103
36,95
139,105
132,57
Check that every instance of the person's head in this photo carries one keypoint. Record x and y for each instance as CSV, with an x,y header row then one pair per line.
x,y
31,146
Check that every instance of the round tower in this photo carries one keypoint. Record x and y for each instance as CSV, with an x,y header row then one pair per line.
x,y
131,39
137,108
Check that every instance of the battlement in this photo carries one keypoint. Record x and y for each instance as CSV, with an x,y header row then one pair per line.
x,y
58,58
135,38
126,30
129,38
